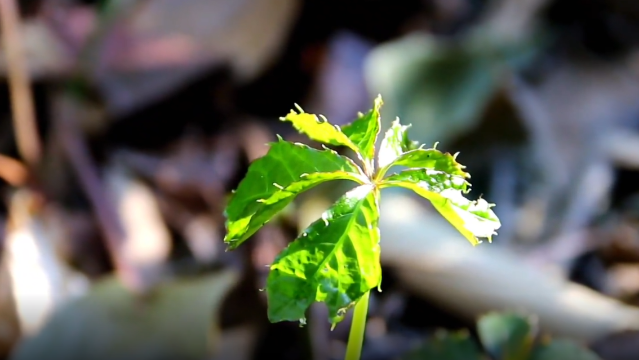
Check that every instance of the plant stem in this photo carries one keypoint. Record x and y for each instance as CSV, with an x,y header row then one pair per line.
x,y
356,335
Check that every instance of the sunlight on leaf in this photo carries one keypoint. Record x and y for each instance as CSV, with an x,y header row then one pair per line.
x,y
335,260
317,128
363,131
274,180
394,144
474,219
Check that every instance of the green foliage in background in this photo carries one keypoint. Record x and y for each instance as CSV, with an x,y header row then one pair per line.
x,y
443,86
503,336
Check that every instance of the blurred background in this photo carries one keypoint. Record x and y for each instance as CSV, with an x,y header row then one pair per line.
x,y
125,124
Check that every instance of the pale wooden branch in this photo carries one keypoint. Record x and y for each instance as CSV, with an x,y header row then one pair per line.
x,y
24,119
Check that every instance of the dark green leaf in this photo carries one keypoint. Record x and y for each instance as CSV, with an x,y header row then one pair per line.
x,y
335,260
562,350
438,86
319,129
447,346
443,86
274,180
506,336
363,131
474,219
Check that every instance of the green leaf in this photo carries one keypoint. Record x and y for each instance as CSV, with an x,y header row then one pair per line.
x,y
506,336
442,86
562,349
274,180
394,144
473,219
335,260
447,346
319,129
363,131
430,159
439,86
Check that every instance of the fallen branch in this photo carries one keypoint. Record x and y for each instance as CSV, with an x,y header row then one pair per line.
x,y
24,122
108,221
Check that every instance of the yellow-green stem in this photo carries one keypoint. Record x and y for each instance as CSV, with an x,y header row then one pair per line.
x,y
358,326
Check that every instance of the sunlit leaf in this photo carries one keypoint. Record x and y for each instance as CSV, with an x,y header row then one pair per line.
x,y
474,219
335,260
318,128
394,144
274,180
364,130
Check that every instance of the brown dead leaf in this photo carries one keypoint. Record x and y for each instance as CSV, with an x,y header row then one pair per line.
x,y
40,280
44,52
158,45
9,322
147,242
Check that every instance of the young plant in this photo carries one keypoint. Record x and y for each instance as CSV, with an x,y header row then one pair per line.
x,y
336,260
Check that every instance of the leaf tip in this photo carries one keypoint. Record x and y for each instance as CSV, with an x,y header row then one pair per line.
x,y
299,108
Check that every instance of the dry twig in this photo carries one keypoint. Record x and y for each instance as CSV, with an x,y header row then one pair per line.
x,y
21,97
